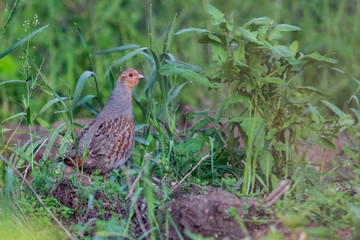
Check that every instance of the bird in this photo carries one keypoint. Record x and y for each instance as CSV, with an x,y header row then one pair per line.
x,y
106,142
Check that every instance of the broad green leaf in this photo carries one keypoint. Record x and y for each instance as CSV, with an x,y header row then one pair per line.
x,y
286,28
334,108
282,51
254,128
117,49
202,123
351,153
185,65
187,30
210,38
280,146
317,57
258,21
79,87
21,41
249,35
188,74
234,99
321,141
216,14
293,48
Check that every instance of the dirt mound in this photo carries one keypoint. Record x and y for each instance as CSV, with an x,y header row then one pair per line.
x,y
209,215
74,197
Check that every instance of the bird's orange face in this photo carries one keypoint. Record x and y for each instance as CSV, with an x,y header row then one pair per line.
x,y
130,77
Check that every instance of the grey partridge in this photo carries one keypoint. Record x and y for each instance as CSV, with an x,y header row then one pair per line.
x,y
108,139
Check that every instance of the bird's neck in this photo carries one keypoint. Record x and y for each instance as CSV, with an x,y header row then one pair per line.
x,y
120,102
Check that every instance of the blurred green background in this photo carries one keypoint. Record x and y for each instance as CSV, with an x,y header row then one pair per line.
x,y
330,27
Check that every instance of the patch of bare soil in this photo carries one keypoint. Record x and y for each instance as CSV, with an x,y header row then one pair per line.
x,y
207,214
201,211
72,197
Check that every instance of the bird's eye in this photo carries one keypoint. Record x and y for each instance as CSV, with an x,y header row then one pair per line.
x,y
131,75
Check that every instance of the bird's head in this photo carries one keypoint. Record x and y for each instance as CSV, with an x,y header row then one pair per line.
x,y
130,78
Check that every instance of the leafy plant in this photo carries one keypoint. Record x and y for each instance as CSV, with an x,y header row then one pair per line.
x,y
255,74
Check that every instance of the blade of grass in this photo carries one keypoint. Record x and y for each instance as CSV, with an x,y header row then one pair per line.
x,y
79,88
21,41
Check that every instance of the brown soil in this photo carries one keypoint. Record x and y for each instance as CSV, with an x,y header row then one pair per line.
x,y
206,214
69,195
201,211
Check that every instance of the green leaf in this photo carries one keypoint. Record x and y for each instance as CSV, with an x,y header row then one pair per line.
x,y
79,87
169,70
169,36
126,57
12,81
234,99
173,94
210,38
317,57
293,48
28,116
351,153
286,28
310,89
51,102
254,127
282,51
251,36
216,14
187,30
334,108
85,99
321,141
266,162
21,41
118,49
258,21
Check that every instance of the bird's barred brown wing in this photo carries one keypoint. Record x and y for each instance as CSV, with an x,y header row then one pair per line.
x,y
111,144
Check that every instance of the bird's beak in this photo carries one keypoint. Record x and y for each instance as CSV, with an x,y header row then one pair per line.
x,y
140,76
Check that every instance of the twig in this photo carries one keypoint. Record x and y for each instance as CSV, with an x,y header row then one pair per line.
x,y
277,193
17,127
201,160
37,196
138,216
133,185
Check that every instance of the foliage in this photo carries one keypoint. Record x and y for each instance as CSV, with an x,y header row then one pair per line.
x,y
255,77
